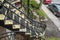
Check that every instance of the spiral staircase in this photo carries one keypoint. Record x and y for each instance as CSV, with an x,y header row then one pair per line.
x,y
16,20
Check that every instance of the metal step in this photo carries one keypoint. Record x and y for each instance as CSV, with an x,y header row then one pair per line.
x,y
22,25
28,30
2,17
33,33
9,15
16,26
16,19
8,18
8,22
37,31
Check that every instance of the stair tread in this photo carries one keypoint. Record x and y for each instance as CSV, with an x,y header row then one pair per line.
x,y
7,22
9,15
2,17
16,26
16,19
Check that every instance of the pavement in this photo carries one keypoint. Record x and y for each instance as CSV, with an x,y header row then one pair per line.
x,y
53,24
50,15
52,30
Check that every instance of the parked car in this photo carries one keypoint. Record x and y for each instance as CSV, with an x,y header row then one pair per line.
x,y
47,2
55,9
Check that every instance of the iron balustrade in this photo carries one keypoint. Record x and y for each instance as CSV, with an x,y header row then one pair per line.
x,y
24,20
29,23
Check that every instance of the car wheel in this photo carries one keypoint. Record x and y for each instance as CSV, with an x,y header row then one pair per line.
x,y
54,13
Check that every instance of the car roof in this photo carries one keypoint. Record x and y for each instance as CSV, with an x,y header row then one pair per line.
x,y
57,5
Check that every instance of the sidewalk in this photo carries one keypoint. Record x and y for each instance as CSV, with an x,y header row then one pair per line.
x,y
50,15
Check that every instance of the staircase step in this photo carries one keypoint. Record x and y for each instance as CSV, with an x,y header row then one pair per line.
x,y
32,31
9,15
16,19
22,25
37,31
2,17
8,22
16,26
22,30
28,32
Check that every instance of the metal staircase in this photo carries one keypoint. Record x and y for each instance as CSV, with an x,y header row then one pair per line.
x,y
17,20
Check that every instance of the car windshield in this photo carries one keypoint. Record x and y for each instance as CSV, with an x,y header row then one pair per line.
x,y
56,1
58,6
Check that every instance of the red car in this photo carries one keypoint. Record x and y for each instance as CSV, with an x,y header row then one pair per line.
x,y
47,1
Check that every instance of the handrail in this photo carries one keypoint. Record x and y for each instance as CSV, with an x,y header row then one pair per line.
x,y
21,12
25,14
4,35
19,16
20,23
8,32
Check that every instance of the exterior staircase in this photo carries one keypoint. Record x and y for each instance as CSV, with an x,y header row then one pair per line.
x,y
16,20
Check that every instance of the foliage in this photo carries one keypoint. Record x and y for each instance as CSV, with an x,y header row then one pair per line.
x,y
52,38
33,4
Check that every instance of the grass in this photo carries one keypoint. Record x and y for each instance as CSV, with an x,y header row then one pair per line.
x,y
35,6
41,13
52,38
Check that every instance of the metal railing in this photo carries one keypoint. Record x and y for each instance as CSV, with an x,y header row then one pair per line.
x,y
33,22
30,22
13,36
8,35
